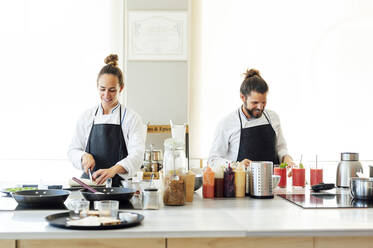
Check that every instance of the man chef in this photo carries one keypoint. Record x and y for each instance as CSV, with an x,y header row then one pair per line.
x,y
250,133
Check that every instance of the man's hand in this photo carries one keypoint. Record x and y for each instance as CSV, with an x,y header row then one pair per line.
x,y
88,162
289,160
246,162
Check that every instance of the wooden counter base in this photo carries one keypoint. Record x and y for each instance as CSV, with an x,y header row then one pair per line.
x,y
260,242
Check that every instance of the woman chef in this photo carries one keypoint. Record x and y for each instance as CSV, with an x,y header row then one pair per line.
x,y
109,139
250,133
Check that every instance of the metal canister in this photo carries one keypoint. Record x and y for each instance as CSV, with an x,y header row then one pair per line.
x,y
261,179
150,198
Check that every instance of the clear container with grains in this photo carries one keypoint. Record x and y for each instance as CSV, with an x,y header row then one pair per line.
x,y
174,169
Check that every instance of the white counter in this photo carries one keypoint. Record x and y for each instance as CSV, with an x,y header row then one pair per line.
x,y
244,217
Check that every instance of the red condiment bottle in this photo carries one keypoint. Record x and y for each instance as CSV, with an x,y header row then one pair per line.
x,y
208,183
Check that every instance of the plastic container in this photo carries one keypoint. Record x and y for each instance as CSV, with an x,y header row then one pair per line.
x,y
239,181
219,181
189,180
208,183
229,190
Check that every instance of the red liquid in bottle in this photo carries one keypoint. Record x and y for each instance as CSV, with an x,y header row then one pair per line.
x,y
316,176
299,177
281,172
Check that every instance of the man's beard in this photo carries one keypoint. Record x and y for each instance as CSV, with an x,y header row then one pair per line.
x,y
254,113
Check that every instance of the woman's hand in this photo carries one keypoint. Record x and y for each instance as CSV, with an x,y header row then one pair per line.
x,y
246,162
102,175
88,162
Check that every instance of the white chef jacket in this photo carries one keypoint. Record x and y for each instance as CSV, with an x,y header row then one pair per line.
x,y
133,132
226,141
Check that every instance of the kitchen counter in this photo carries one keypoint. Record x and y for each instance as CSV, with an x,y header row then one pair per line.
x,y
243,217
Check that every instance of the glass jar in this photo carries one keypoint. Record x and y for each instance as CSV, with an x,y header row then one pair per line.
x,y
174,158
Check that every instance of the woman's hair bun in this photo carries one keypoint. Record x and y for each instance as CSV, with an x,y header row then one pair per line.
x,y
251,73
112,59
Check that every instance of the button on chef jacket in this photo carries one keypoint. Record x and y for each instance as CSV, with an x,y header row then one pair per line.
x,y
133,132
226,141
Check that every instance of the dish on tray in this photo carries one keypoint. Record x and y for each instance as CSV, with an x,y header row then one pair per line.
x,y
62,220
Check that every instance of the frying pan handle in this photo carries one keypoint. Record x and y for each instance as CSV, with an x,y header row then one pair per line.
x,y
84,185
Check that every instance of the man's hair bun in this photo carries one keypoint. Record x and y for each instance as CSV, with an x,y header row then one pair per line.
x,y
112,59
252,72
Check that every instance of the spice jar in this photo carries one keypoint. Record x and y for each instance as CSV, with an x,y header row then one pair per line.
x,y
239,181
189,180
219,181
208,183
229,190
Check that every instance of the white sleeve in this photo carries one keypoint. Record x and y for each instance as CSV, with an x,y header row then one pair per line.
x,y
135,147
281,145
219,148
77,145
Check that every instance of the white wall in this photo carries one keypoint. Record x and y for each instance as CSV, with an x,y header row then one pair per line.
x,y
316,57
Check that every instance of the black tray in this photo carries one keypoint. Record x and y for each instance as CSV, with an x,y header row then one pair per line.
x,y
60,219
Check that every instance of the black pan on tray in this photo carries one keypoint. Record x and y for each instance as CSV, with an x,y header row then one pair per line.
x,y
115,193
43,197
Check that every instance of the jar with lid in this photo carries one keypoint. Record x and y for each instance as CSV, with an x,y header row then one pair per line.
x,y
174,159
174,167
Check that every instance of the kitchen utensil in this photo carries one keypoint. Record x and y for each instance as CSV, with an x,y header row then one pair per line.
x,y
86,186
90,174
347,168
115,193
361,188
50,197
322,186
60,220
261,179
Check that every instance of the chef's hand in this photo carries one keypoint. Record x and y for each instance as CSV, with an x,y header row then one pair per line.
x,y
88,162
289,160
246,162
102,175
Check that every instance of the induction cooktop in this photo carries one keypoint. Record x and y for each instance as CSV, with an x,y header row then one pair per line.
x,y
333,199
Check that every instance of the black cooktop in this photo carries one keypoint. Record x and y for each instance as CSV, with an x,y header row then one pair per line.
x,y
333,199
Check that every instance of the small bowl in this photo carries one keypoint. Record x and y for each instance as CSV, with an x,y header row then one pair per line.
x,y
198,180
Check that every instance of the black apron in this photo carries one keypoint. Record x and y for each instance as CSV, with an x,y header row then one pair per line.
x,y
258,143
107,146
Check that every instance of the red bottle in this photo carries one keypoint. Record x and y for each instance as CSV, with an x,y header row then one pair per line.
x,y
208,183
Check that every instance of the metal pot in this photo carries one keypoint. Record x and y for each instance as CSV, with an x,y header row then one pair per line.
x,y
361,188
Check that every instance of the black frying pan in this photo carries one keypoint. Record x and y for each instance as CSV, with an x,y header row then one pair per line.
x,y
43,197
115,193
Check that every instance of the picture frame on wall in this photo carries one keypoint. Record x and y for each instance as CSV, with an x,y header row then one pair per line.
x,y
157,35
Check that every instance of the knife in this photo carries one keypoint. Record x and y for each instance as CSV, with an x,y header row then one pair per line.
x,y
90,174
